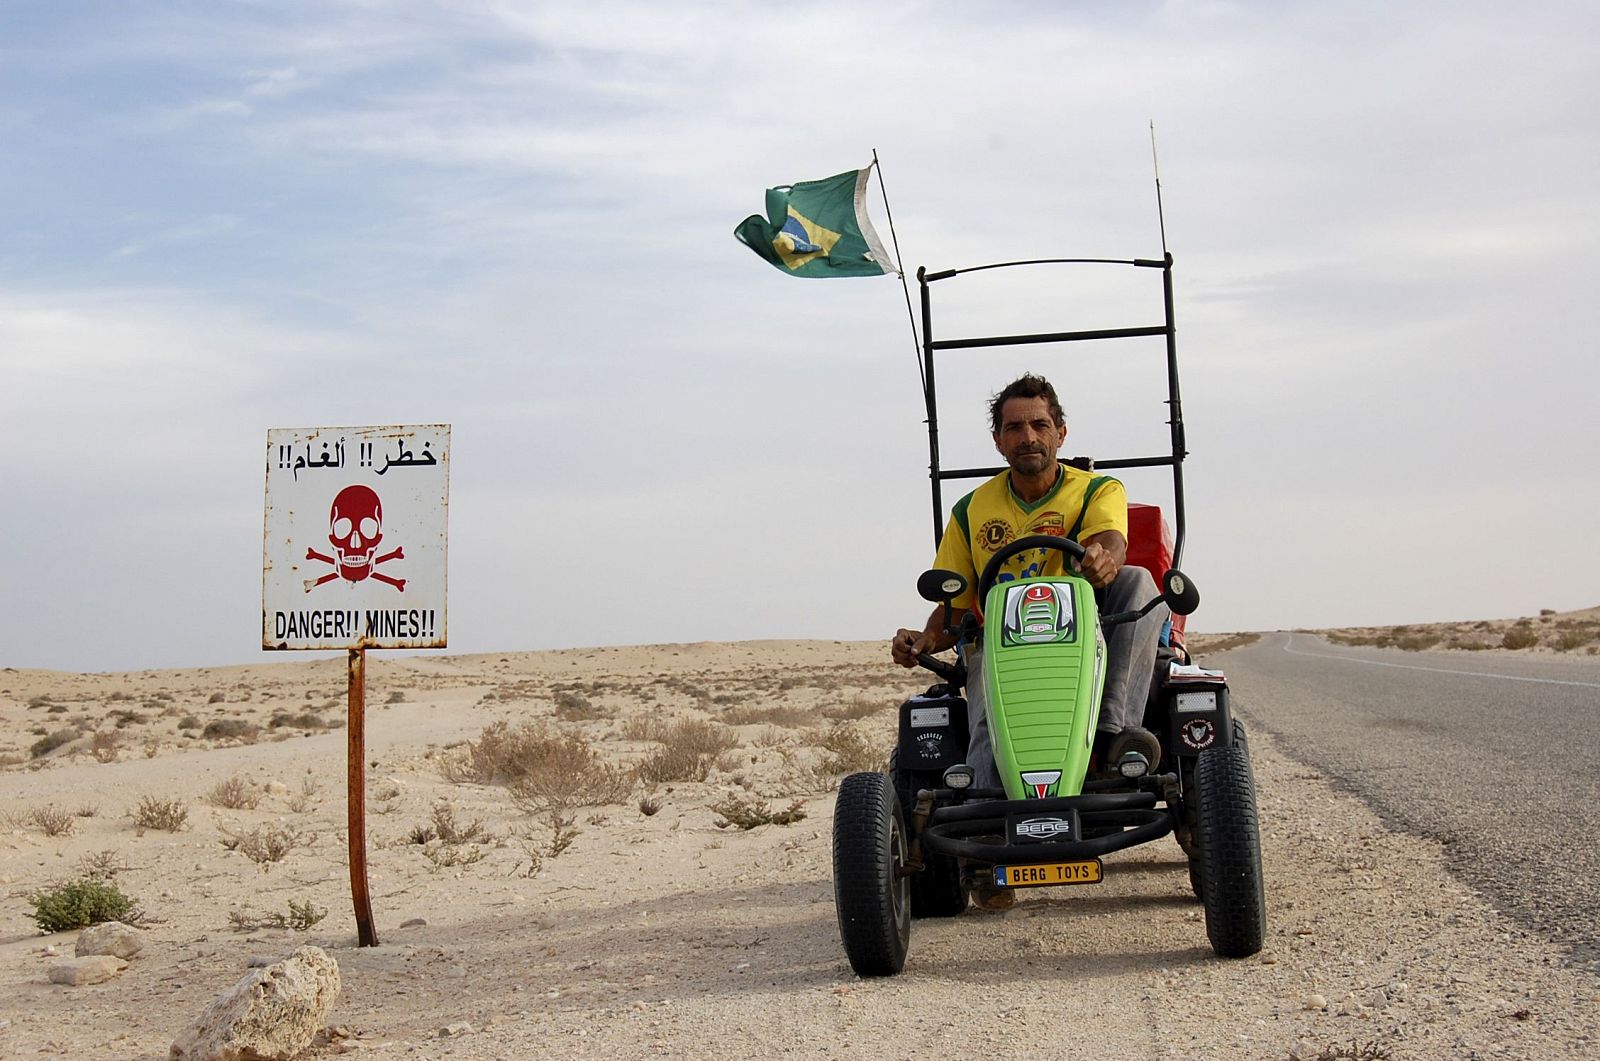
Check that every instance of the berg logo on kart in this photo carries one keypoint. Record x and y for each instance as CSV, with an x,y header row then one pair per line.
x,y
1038,613
1044,828
1043,782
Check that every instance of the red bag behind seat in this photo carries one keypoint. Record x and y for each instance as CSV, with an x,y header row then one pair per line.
x,y
1150,546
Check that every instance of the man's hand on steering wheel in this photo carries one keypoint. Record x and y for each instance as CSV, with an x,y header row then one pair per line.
x,y
1098,566
906,645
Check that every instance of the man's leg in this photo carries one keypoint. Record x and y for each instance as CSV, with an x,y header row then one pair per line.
x,y
1130,649
980,752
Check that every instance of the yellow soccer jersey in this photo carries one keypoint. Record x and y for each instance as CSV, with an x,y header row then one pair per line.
x,y
992,516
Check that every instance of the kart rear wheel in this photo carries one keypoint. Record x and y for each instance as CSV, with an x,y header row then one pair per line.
x,y
872,898
1228,836
937,891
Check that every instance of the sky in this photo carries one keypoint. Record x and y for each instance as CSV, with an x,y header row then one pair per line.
x,y
220,218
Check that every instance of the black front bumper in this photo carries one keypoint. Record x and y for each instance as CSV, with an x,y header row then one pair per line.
x,y
1108,821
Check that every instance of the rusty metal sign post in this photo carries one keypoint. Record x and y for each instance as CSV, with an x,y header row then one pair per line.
x,y
354,558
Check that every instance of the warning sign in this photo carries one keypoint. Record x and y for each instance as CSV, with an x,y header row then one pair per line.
x,y
355,537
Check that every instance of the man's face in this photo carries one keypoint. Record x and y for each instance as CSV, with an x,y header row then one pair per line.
x,y
1028,438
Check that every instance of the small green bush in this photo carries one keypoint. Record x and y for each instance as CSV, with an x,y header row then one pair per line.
x,y
228,727
79,904
1518,637
51,741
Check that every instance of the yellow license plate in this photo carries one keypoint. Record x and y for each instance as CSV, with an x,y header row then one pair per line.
x,y
1045,874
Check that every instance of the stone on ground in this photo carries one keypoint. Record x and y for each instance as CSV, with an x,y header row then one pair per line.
x,y
272,1013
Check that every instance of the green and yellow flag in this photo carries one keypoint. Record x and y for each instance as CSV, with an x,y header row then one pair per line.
x,y
818,228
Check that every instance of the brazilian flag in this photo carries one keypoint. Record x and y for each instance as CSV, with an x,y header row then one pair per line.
x,y
818,228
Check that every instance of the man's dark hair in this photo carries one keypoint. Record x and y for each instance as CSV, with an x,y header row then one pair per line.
x,y
1027,386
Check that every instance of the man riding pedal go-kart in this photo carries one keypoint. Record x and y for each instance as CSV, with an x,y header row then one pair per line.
x,y
1039,495
1083,729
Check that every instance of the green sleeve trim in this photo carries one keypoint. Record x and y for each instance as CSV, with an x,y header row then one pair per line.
x,y
959,514
1088,495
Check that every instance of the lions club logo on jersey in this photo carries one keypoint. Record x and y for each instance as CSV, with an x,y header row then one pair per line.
x,y
995,533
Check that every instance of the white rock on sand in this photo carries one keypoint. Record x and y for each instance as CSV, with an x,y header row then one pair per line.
x,y
271,1013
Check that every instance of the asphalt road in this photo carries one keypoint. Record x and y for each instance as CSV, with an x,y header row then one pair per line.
x,y
1496,756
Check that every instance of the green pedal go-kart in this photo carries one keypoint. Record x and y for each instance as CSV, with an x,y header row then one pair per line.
x,y
913,841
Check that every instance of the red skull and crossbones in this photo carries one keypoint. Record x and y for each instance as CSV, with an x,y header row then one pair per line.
x,y
355,524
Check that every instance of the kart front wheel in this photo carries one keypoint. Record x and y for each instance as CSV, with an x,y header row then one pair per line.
x,y
870,892
1228,837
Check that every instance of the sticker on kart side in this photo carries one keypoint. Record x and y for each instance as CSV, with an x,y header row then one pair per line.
x,y
1039,613
1049,874
1198,734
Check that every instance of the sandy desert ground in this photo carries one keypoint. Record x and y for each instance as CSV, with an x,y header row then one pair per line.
x,y
600,907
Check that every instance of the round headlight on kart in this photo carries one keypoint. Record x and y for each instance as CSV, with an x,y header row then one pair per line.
x,y
958,776
1133,765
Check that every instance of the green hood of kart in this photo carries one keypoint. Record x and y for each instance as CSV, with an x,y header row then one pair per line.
x,y
1043,671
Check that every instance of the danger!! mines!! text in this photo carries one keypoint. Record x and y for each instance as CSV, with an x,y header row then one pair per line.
x,y
338,622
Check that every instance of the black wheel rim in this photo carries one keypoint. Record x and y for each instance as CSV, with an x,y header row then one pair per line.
x,y
900,883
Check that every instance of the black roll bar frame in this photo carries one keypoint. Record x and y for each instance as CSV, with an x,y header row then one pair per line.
x,y
938,475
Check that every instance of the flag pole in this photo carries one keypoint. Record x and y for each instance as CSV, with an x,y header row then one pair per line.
x,y
899,268
1155,164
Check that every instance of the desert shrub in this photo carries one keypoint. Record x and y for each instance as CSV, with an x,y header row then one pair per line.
x,y
776,715
79,904
105,746
57,709
643,727
267,844
53,740
1519,637
1418,642
450,831
234,794
747,812
301,916
854,708
222,728
851,751
215,698
444,856
124,719
39,701
51,820
649,806
102,865
573,775
303,720
188,722
396,697
575,707
306,798
1567,640
688,750
167,815
383,801
543,767
499,754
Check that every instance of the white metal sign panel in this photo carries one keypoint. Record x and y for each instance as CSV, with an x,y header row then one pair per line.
x,y
355,537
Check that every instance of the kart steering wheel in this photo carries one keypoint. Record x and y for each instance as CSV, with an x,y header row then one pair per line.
x,y
991,570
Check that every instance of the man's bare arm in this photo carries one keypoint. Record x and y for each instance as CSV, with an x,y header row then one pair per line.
x,y
1103,556
931,638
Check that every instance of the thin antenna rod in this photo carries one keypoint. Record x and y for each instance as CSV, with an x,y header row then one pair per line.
x,y
916,343
1155,164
